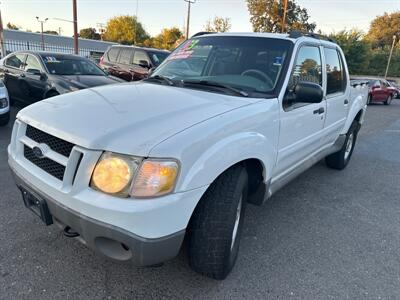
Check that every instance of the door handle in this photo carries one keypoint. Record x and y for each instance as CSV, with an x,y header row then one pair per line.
x,y
319,111
346,101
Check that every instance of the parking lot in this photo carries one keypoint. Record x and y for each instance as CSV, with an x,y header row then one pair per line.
x,y
328,234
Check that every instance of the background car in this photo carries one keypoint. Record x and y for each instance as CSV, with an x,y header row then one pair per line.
x,y
4,105
131,63
380,91
395,87
32,76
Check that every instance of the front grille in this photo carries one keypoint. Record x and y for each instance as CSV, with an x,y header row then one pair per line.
x,y
56,144
47,165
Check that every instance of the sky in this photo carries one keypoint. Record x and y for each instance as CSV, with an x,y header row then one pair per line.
x,y
330,15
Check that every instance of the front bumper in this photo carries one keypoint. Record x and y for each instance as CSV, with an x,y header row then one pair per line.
x,y
109,240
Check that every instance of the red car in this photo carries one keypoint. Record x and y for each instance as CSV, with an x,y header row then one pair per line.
x,y
380,91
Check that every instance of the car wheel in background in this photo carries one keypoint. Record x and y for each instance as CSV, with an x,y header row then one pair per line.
x,y
215,228
340,159
4,119
388,100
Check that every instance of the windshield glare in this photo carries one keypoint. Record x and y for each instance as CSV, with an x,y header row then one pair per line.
x,y
70,66
252,64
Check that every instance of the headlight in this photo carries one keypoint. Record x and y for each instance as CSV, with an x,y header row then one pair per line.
x,y
3,103
155,178
120,175
113,174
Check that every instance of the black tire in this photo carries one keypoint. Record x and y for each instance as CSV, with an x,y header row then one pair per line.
x,y
388,100
212,245
4,119
51,94
340,159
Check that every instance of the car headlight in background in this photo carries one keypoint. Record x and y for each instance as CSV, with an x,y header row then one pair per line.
x,y
124,176
3,103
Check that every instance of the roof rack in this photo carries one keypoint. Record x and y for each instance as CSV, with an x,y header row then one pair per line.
x,y
295,34
202,33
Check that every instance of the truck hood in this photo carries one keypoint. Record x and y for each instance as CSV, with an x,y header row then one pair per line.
x,y
126,118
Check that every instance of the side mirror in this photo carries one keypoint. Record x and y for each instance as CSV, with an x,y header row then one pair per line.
x,y
308,92
151,70
144,64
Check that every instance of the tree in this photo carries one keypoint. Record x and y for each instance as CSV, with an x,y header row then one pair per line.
x,y
267,16
89,33
167,39
53,32
218,24
383,28
12,26
125,30
355,48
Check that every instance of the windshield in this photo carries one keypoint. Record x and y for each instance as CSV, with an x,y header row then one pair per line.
x,y
251,64
157,57
71,66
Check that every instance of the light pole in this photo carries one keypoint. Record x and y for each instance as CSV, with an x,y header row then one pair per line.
x,y
390,56
2,45
41,27
75,21
284,16
190,2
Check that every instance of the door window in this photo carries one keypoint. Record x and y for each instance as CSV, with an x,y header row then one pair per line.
x,y
140,55
125,56
32,64
15,61
335,73
113,54
308,67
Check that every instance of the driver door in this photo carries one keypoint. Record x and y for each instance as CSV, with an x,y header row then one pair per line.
x,y
32,82
301,124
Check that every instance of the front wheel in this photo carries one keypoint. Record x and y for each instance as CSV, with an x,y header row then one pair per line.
x,y
388,100
340,159
216,225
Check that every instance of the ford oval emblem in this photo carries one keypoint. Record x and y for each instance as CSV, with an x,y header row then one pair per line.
x,y
37,152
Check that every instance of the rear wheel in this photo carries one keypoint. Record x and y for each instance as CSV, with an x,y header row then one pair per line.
x,y
340,159
215,228
388,100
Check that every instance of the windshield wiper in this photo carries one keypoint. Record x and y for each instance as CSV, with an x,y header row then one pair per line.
x,y
215,84
160,78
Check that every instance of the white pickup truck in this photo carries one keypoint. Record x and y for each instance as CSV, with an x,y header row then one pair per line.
x,y
132,170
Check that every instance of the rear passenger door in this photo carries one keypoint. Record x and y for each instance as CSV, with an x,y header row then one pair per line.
x,y
111,63
124,66
301,124
337,94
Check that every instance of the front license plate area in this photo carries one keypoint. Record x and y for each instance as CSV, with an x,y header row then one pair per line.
x,y
37,205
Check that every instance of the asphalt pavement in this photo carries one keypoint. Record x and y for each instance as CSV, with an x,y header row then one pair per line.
x,y
327,235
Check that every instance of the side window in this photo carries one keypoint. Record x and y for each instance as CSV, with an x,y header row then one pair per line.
x,y
308,67
138,56
32,64
113,54
385,83
15,61
334,71
125,56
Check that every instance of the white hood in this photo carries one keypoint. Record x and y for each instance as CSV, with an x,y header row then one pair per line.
x,y
126,118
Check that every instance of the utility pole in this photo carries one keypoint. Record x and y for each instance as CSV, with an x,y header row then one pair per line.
x,y
390,56
59,30
136,24
101,27
75,21
41,27
2,45
190,2
284,15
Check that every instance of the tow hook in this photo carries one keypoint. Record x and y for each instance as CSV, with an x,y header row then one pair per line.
x,y
69,232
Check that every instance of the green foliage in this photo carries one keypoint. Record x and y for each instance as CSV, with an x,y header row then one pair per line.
x,y
53,32
383,28
12,26
167,39
89,33
218,24
267,16
125,30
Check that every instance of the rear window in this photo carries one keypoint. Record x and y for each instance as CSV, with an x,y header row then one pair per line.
x,y
113,54
15,61
125,56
